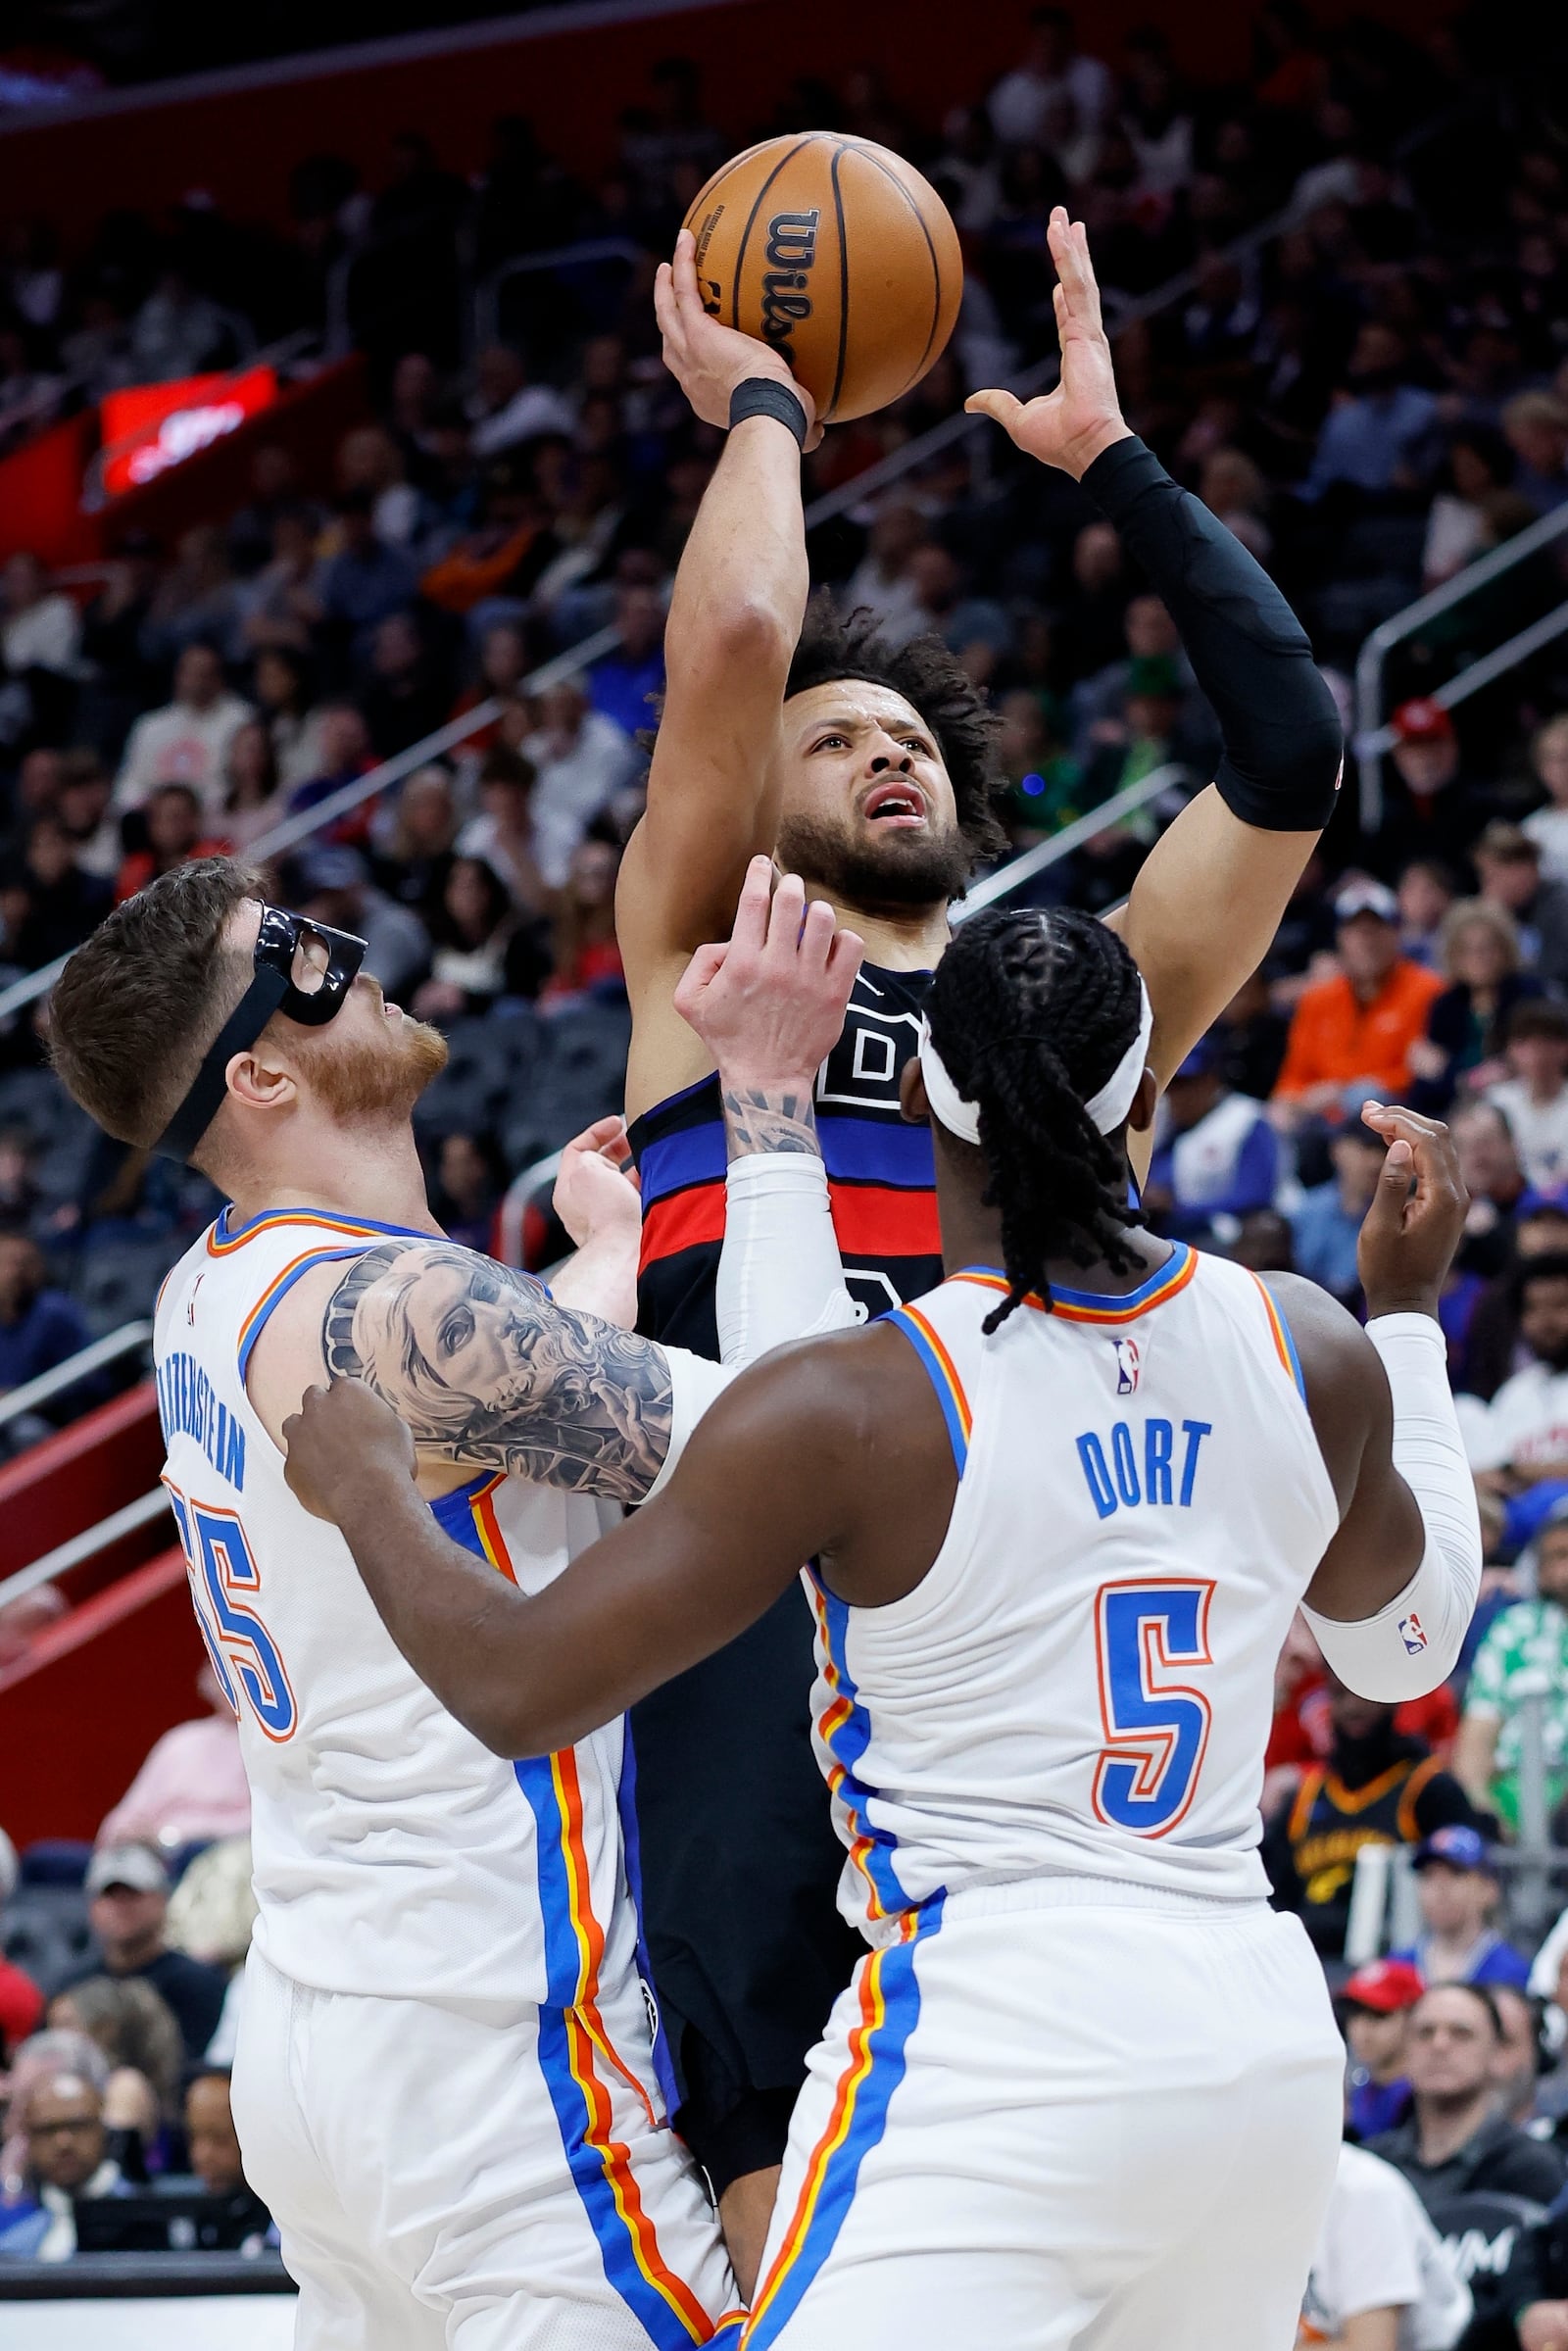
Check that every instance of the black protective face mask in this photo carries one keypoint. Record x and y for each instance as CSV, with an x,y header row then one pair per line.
x,y
282,983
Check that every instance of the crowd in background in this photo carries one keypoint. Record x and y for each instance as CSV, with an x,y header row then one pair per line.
x,y
1372,396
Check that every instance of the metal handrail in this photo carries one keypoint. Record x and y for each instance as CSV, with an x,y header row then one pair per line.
x,y
88,1359
1372,737
486,308
87,1546
1005,879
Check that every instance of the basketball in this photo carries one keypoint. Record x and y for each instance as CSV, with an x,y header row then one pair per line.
x,y
840,256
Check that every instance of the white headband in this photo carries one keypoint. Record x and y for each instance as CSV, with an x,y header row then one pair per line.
x,y
1108,1111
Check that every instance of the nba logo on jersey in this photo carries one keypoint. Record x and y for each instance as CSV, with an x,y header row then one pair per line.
x,y
1410,1633
1127,1366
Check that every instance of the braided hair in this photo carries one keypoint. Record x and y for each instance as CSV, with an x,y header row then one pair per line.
x,y
1030,1014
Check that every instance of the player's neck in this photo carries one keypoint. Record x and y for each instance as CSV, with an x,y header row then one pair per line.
x,y
370,1173
896,938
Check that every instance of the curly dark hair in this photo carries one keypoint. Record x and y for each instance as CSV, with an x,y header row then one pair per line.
x,y
1031,1014
835,645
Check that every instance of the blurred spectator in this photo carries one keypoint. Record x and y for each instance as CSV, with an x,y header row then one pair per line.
x,y
63,2119
1220,1156
470,1179
1534,1096
39,630
586,954
47,904
1479,464
580,761
504,834
1051,74
628,685
1251,1035
1426,891
254,801
1326,1223
186,742
1508,862
364,583
1536,427
192,1784
39,1327
505,408
135,2029
1379,434
1353,1033
1548,826
346,756
127,1904
1522,1438
1381,2275
1467,1025
880,582
370,459
415,841
672,143
404,696
178,332
333,886
176,833
280,607
275,495
81,810
1457,1881
216,2159
481,951
1377,1788
285,707
1455,2142
1525,1650
1375,2005
502,671
197,601
1491,1345
1433,810
1489,1166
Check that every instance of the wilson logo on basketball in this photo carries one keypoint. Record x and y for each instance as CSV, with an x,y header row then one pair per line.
x,y
785,304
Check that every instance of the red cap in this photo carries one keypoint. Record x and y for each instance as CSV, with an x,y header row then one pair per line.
x,y
1384,1985
20,2006
1424,720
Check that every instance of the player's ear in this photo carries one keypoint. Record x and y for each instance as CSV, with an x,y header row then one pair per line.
x,y
1140,1117
258,1082
913,1100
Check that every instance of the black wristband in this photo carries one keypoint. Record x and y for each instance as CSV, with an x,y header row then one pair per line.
x,y
1284,744
766,396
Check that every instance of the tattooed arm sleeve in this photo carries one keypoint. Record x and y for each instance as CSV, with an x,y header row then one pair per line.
x,y
485,1370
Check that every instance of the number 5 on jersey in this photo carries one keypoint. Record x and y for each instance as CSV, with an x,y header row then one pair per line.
x,y
1156,1729
223,1576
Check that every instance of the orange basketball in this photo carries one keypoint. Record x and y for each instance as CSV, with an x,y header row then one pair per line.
x,y
837,254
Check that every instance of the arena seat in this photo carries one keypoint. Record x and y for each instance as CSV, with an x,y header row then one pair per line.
x,y
44,1932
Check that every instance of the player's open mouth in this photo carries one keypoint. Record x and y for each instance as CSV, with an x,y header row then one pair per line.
x,y
899,803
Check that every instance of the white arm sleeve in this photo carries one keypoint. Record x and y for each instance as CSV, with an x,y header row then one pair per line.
x,y
1412,1645
693,1384
780,1276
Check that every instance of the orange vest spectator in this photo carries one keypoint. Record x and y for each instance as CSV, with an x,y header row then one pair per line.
x,y
1358,1027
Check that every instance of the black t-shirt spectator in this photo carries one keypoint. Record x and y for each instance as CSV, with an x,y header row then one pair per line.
x,y
1499,2160
194,1992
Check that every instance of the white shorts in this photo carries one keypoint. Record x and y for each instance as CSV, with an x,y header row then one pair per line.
x,y
447,2181
1062,2114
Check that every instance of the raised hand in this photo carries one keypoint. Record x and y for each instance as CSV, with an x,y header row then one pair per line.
x,y
342,1440
1071,427
706,358
596,1189
1408,1237
769,1006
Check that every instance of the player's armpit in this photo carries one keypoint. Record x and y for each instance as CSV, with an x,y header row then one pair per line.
x,y
485,1372
1201,916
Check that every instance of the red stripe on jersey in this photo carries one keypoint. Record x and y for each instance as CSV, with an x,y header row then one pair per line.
x,y
871,1221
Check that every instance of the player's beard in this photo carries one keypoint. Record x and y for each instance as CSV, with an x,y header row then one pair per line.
x,y
378,1078
901,866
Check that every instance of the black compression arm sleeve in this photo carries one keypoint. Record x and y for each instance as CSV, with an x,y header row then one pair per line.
x,y
1284,747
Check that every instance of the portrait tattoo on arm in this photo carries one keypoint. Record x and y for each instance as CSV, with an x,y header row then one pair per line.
x,y
768,1120
483,1368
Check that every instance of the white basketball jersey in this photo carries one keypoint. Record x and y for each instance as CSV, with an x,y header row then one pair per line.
x,y
1084,1681
393,1854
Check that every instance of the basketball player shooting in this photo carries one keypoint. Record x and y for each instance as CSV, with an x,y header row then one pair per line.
x,y
870,770
447,2087
1085,2091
